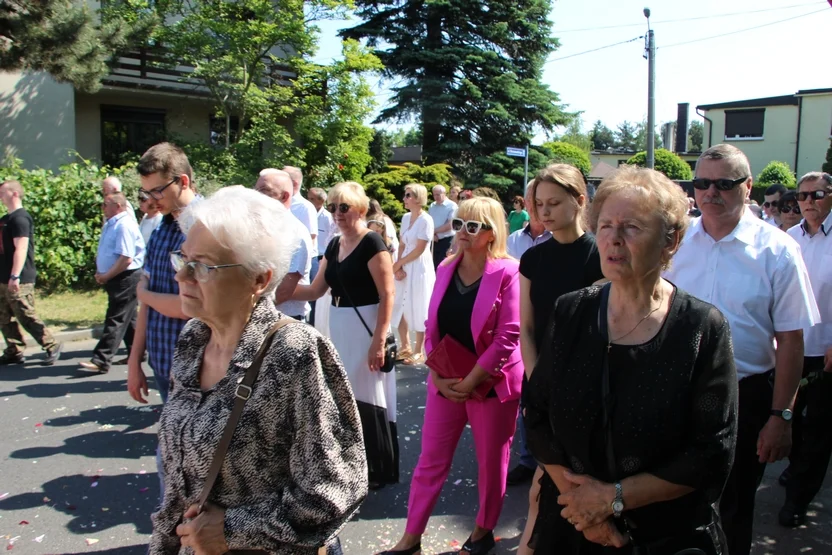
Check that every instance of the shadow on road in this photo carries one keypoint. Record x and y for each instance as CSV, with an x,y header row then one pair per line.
x,y
76,386
135,418
97,445
127,550
113,501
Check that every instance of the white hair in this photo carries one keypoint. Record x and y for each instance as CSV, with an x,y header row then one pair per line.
x,y
256,228
113,182
269,171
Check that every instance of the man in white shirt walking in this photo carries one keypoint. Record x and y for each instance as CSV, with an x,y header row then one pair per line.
x,y
812,440
442,210
277,184
754,274
302,208
326,229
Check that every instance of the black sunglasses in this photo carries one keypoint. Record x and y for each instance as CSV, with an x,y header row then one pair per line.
x,y
721,184
786,209
817,195
343,208
157,193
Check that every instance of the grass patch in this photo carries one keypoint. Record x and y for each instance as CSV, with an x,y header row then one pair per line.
x,y
72,310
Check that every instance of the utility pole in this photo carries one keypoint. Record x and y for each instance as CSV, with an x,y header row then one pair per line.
x,y
651,93
526,170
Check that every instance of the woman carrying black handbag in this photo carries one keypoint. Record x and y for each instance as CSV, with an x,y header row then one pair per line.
x,y
632,406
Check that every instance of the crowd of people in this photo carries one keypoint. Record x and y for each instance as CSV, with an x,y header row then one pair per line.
x,y
648,362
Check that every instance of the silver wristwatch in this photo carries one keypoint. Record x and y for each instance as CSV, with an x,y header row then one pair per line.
x,y
618,502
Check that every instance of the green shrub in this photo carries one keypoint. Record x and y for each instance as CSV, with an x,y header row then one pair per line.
x,y
565,153
667,163
776,172
388,187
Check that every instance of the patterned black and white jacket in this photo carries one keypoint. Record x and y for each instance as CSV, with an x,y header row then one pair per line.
x,y
296,470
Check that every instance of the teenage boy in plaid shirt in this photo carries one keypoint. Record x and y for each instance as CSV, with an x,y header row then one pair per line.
x,y
165,175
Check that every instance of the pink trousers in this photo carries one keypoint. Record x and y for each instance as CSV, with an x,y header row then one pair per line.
x,y
492,424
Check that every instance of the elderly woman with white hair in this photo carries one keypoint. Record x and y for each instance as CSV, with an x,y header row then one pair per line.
x,y
294,470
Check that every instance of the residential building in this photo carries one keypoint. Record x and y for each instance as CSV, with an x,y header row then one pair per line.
x,y
794,128
142,101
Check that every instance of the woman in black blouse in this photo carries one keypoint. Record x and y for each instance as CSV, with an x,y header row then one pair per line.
x,y
566,262
632,405
359,270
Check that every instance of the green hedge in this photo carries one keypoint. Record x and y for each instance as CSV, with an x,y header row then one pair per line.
x,y
669,163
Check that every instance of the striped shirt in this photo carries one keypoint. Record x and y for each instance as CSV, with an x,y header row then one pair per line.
x,y
162,332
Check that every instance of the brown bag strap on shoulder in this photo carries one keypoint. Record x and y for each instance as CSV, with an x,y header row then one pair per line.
x,y
241,395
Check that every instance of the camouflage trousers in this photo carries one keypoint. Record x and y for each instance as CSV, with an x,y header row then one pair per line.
x,y
18,309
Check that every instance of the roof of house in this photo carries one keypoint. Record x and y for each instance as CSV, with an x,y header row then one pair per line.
x,y
785,100
601,169
401,154
813,91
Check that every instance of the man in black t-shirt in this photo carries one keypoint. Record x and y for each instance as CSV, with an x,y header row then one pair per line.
x,y
17,280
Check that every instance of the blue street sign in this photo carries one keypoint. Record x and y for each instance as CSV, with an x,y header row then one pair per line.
x,y
516,152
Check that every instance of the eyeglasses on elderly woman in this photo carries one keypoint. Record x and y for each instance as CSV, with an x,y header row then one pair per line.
x,y
197,270
472,227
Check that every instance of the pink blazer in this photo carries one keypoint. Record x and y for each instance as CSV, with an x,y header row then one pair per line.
x,y
495,322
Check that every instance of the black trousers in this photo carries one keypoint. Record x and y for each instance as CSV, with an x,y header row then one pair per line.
x,y
812,435
440,250
120,321
737,505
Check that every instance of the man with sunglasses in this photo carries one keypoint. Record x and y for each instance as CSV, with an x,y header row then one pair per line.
x,y
812,450
771,206
753,273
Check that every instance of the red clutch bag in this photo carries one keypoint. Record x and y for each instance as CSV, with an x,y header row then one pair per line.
x,y
451,359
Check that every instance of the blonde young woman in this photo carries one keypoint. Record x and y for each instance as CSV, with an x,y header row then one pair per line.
x,y
358,269
475,303
414,272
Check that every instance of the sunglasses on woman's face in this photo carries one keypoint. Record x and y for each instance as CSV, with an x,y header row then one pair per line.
x,y
786,209
472,227
343,208
408,195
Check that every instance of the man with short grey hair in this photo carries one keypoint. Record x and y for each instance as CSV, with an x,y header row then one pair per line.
x,y
112,184
442,210
753,273
302,208
277,184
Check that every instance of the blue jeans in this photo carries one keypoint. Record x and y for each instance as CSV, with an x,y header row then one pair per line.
x,y
526,458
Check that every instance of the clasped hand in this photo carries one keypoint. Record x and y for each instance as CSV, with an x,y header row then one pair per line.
x,y
453,389
204,532
589,503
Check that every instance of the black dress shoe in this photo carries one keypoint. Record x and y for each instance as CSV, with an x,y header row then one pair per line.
x,y
481,546
792,516
519,475
783,480
6,358
412,551
53,354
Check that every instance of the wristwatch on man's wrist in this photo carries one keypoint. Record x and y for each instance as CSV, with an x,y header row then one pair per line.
x,y
618,502
785,414
14,277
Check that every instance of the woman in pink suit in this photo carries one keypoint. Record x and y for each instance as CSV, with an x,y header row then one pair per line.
x,y
476,302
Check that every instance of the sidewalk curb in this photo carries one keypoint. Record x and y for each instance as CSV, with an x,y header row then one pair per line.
x,y
82,334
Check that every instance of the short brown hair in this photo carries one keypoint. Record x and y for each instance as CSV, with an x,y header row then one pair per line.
x,y
166,159
816,176
519,199
569,178
731,154
117,198
665,198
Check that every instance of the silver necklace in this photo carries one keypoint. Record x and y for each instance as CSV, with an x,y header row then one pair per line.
x,y
646,316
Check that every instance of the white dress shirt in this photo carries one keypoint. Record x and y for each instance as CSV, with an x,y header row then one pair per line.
x,y
301,263
756,277
306,213
521,240
817,254
326,230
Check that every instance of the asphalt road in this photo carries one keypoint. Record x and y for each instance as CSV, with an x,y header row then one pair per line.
x,y
78,473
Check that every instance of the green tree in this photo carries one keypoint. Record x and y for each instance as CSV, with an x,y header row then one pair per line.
x,y
575,136
641,136
470,72
696,134
667,163
409,137
626,136
827,166
602,136
65,39
776,172
381,148
565,153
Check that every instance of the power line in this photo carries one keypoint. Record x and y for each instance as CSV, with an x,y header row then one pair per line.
x,y
743,30
697,18
594,50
